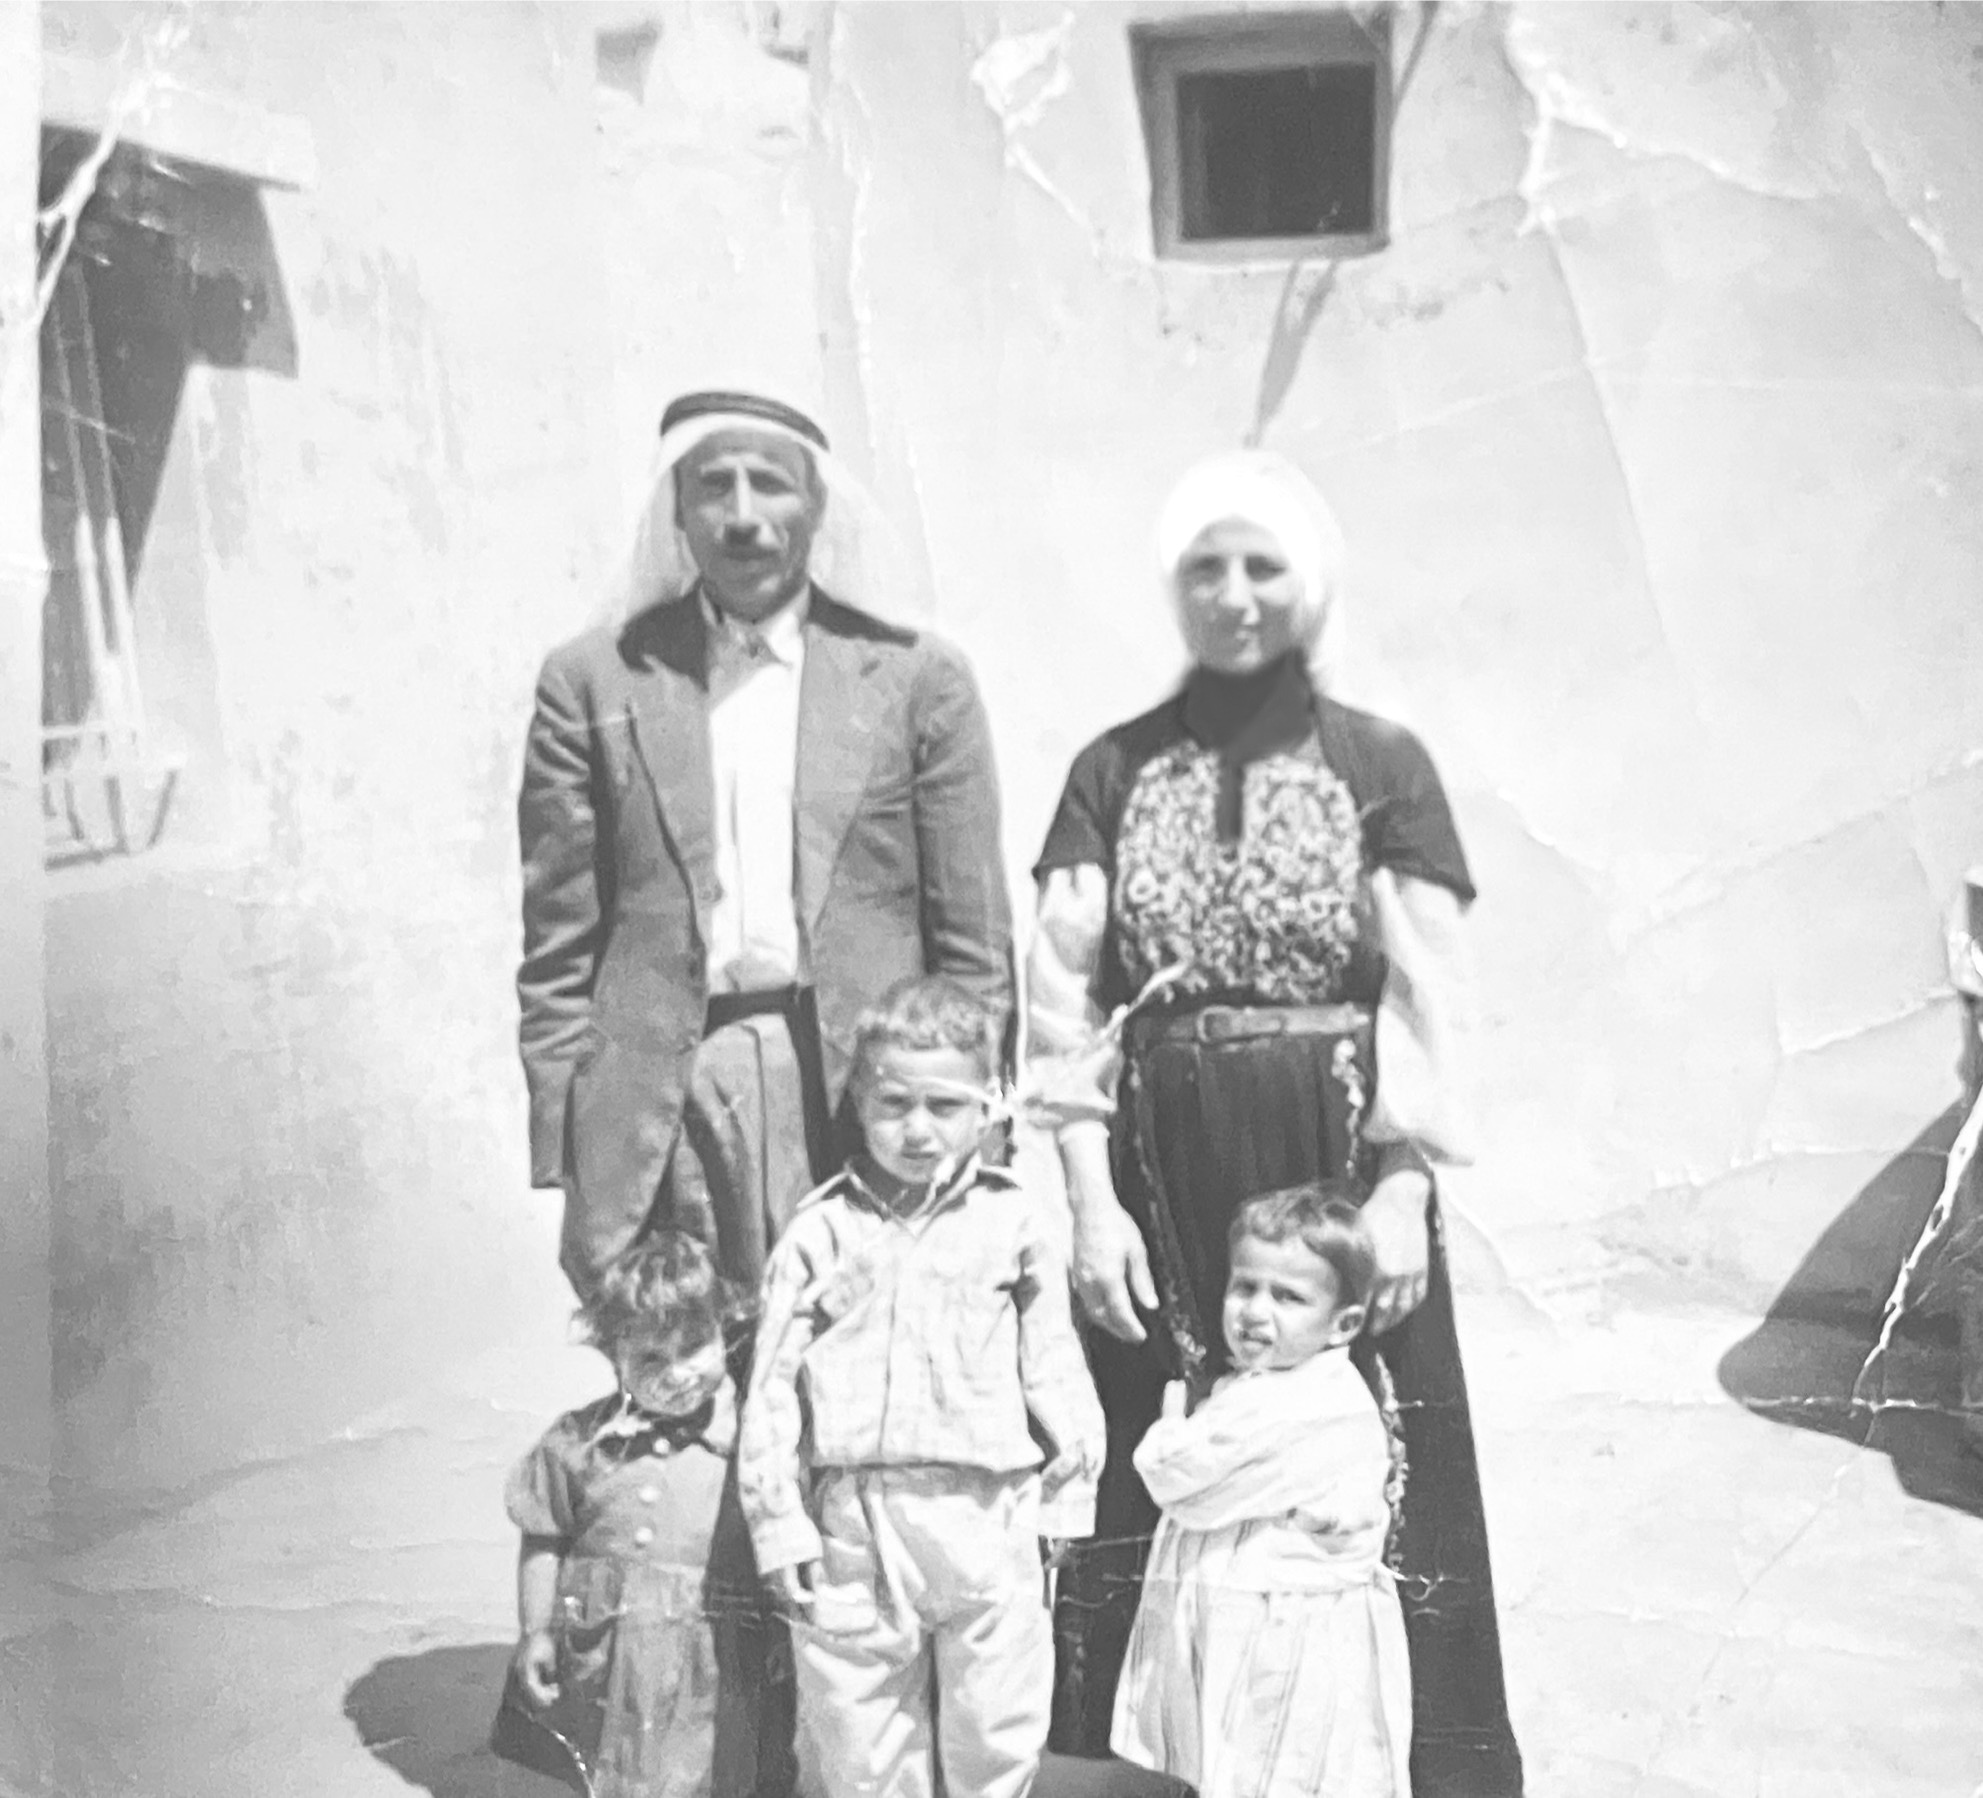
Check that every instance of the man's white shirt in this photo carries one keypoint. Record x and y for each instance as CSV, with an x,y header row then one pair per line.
x,y
755,672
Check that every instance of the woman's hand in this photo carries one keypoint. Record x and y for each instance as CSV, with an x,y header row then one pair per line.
x,y
1111,1264
536,1665
1395,1216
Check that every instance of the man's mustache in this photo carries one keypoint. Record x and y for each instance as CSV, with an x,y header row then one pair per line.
x,y
746,536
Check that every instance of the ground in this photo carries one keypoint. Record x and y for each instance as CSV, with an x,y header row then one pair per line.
x,y
1697,1602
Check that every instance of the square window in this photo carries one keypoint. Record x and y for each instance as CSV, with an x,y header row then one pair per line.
x,y
1268,134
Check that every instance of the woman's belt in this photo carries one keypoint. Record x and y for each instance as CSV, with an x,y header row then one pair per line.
x,y
1237,1023
1214,1024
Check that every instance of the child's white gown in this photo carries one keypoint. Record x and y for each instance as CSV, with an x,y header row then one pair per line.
x,y
1268,1658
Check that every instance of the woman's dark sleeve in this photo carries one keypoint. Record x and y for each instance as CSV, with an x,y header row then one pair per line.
x,y
1082,833
1407,821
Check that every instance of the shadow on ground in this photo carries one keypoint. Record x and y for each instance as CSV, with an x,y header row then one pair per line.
x,y
427,1716
1799,1366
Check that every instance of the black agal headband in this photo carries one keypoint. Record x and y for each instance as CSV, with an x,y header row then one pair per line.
x,y
743,405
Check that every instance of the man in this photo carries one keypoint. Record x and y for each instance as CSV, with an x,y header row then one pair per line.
x,y
745,814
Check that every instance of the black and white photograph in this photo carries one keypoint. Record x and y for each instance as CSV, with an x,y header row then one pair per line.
x,y
991,898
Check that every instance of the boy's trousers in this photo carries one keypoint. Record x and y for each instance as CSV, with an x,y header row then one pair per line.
x,y
929,1636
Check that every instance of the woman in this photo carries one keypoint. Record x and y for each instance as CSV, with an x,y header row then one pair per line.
x,y
1249,909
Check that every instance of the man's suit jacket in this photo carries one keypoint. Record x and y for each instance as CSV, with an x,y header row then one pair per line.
x,y
898,868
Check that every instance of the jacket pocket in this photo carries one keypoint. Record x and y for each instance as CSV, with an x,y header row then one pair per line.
x,y
591,1039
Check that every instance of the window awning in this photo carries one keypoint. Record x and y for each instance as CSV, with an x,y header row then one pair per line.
x,y
180,123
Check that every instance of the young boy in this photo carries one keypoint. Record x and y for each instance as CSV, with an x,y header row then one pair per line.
x,y
1268,1658
915,1317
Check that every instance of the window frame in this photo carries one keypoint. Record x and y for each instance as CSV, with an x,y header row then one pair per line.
x,y
107,782
1162,51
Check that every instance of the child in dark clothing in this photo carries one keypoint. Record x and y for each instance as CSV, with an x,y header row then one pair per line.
x,y
644,1645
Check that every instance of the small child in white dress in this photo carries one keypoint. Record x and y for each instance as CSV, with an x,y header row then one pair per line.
x,y
1268,1658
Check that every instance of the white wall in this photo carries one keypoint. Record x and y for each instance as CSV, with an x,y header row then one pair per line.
x,y
1658,436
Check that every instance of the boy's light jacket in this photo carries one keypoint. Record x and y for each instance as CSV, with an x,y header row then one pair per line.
x,y
926,1338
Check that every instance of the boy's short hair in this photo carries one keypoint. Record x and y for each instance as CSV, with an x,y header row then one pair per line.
x,y
665,1288
1326,1217
926,1011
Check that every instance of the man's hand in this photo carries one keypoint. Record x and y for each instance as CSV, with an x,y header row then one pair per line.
x,y
1395,1216
791,1587
535,1664
1111,1263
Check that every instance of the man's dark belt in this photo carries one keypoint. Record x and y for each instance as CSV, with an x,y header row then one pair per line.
x,y
771,1001
797,1006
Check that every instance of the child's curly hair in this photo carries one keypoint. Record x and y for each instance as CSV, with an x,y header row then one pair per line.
x,y
665,1289
926,1011
1326,1217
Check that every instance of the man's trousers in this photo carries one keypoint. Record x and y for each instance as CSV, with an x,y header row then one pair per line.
x,y
754,1139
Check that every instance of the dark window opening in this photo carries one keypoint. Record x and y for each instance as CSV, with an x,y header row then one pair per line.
x,y
624,56
1281,153
171,265
1267,133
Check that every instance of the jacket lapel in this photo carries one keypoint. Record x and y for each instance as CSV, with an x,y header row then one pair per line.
x,y
666,651
840,707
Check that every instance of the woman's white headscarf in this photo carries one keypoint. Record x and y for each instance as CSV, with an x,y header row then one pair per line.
x,y
855,556
1265,489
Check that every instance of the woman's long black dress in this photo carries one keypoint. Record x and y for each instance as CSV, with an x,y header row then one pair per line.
x,y
1243,846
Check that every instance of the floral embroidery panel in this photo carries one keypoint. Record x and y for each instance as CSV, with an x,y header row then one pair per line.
x,y
1272,917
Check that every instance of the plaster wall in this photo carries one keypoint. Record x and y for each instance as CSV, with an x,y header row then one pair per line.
x,y
1657,434
287,1127
24,1294
706,160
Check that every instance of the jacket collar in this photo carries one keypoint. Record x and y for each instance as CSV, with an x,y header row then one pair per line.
x,y
782,634
843,706
866,1186
628,1432
842,713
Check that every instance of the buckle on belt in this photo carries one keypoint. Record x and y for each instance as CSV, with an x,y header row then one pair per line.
x,y
1213,1024
1231,1024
